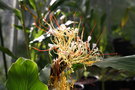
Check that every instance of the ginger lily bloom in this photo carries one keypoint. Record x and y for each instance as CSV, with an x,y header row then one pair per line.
x,y
70,49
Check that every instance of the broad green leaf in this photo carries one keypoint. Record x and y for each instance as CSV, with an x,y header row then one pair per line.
x,y
126,63
109,73
23,75
7,51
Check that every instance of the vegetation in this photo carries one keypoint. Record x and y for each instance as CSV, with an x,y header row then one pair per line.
x,y
61,39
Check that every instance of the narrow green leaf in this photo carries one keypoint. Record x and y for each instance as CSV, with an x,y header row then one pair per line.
x,y
103,18
33,4
7,51
19,27
23,75
56,4
126,63
18,13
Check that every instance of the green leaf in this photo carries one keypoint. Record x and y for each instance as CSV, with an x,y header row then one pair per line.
x,y
30,3
33,4
103,18
125,18
109,73
18,13
23,75
56,4
126,63
7,51
77,66
19,27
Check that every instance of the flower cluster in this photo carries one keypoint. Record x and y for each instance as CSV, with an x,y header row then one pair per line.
x,y
70,49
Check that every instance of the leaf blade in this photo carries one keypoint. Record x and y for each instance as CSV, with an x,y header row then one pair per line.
x,y
126,63
23,75
7,51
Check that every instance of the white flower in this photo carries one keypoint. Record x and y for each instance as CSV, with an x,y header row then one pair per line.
x,y
39,39
57,11
51,45
62,27
96,49
31,29
62,17
55,59
51,31
76,30
94,45
72,43
68,28
69,22
48,35
46,9
89,38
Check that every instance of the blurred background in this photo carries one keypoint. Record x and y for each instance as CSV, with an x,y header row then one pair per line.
x,y
112,22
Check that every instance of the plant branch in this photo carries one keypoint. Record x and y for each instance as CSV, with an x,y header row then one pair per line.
x,y
3,54
24,29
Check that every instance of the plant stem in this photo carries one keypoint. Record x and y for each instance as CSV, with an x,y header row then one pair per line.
x,y
24,29
3,54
